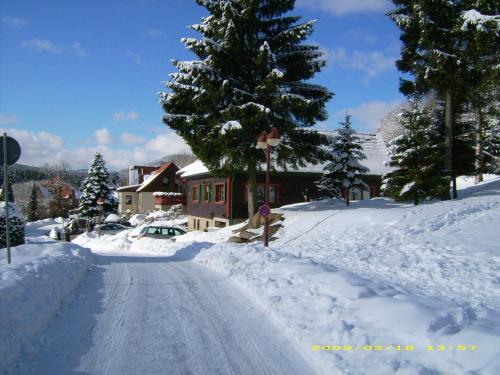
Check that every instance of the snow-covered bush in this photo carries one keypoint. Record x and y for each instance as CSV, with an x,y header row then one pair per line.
x,y
173,213
16,228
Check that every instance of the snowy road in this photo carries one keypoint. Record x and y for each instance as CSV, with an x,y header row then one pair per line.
x,y
150,315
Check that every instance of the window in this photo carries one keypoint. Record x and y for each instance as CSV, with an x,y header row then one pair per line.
x,y
128,199
195,194
206,192
178,232
273,193
220,193
165,180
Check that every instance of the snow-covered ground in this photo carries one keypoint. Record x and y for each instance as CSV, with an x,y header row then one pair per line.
x,y
41,275
376,288
379,274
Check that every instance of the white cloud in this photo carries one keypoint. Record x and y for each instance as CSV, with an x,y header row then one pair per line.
x,y
343,7
136,58
103,136
38,148
79,50
14,22
368,115
131,139
370,64
43,45
166,144
125,116
155,33
7,119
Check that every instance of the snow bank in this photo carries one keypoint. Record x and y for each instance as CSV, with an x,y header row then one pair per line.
x,y
32,287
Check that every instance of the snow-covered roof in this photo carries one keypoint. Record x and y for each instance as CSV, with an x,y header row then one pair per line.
x,y
373,147
45,192
193,169
129,188
148,180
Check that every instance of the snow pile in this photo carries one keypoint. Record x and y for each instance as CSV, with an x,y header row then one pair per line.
x,y
167,194
137,219
32,288
175,212
112,218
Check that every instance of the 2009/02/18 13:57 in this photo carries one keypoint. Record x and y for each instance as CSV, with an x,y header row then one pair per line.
x,y
379,348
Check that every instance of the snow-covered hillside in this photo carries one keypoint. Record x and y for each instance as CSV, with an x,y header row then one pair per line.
x,y
377,288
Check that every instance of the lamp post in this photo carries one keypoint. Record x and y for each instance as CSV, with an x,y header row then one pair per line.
x,y
100,202
266,141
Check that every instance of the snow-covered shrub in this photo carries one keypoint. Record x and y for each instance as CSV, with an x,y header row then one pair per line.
x,y
16,228
173,213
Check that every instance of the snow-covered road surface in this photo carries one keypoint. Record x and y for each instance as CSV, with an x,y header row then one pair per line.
x,y
151,315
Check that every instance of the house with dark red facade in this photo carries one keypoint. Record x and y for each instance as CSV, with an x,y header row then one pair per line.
x,y
220,201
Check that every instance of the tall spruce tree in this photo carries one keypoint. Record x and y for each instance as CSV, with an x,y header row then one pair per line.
x,y
341,174
481,51
416,156
96,185
251,74
432,53
33,205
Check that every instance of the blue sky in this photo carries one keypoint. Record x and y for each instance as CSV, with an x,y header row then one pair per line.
x,y
83,76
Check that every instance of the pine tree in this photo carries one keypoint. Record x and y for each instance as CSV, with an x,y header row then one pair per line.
x,y
10,182
96,185
33,205
481,55
432,54
417,158
342,172
251,74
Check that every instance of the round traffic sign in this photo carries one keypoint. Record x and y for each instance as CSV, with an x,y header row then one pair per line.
x,y
13,151
264,210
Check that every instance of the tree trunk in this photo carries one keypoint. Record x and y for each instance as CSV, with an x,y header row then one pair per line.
x,y
251,192
347,196
479,145
448,142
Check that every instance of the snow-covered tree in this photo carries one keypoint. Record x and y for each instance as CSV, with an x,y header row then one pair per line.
x,y
10,182
452,48
96,185
341,174
416,156
251,74
16,226
33,205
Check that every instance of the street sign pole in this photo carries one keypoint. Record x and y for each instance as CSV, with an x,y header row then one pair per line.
x,y
6,196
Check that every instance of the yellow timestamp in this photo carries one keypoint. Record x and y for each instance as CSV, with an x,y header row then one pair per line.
x,y
382,348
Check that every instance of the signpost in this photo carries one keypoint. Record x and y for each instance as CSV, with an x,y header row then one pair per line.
x,y
10,152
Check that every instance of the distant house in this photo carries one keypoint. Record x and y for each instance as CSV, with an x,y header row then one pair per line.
x,y
220,201
56,198
144,181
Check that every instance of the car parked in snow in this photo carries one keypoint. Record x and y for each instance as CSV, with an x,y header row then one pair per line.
x,y
151,231
111,228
